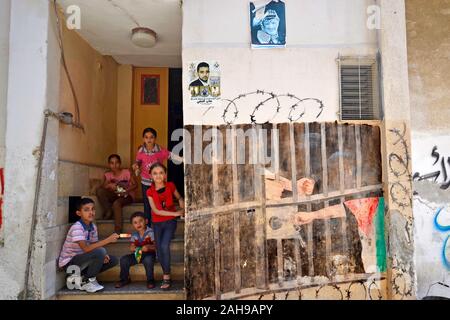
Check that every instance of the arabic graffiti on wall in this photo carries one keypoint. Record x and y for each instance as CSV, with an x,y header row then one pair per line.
x,y
444,162
443,228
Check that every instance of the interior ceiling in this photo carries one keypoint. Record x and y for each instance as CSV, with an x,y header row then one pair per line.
x,y
106,25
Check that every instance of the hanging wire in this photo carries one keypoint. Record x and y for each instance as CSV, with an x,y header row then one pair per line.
x,y
77,122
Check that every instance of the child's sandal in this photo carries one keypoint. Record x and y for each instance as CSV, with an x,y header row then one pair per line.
x,y
167,283
150,284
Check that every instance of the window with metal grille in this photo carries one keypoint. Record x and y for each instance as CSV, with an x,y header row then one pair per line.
x,y
359,88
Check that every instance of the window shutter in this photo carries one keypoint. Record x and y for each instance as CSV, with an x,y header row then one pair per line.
x,y
359,88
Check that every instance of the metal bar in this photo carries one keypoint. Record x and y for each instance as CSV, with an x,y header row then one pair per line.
x,y
236,215
276,151
237,252
244,206
293,285
298,261
260,220
325,192
293,163
310,247
358,156
216,231
342,187
216,257
280,262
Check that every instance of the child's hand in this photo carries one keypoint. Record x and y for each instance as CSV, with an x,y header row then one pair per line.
x,y
111,186
133,247
113,238
180,213
107,259
148,248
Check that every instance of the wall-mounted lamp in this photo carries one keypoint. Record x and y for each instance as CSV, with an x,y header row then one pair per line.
x,y
143,37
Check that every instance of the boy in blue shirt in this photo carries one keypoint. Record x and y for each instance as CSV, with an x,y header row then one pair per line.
x,y
143,251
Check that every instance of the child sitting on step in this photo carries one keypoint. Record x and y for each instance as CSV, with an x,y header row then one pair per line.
x,y
117,190
143,251
82,255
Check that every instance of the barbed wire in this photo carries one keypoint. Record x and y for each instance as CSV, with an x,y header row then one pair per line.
x,y
232,106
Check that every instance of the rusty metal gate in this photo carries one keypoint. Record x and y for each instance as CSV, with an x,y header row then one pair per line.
x,y
240,242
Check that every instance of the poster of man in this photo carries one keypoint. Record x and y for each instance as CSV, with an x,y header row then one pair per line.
x,y
268,23
204,81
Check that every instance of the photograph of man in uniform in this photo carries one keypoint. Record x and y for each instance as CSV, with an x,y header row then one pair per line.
x,y
268,23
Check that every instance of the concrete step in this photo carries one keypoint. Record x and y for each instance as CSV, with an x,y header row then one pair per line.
x,y
122,247
134,291
106,227
137,273
128,210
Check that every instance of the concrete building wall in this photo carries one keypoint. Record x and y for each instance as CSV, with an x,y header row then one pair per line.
x,y
5,7
95,82
429,67
124,112
4,53
33,50
317,32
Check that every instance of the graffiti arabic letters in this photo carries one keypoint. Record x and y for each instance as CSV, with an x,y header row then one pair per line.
x,y
436,174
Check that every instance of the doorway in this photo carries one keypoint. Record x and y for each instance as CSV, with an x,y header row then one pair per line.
x,y
158,103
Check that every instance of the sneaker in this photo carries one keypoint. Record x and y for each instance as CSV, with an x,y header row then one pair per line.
x,y
91,286
74,282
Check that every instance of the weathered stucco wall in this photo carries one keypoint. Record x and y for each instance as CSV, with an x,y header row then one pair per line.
x,y
33,51
124,111
5,7
95,82
317,32
429,67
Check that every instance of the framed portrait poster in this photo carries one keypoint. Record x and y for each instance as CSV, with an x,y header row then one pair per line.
x,y
150,86
268,23
204,82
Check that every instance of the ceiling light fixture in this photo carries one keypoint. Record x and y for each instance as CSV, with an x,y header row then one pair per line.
x,y
143,37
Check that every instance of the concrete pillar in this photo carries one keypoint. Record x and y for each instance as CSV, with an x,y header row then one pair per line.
x,y
5,8
397,151
33,87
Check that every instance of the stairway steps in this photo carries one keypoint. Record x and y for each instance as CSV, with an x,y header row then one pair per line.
x,y
106,227
122,247
128,210
137,273
134,291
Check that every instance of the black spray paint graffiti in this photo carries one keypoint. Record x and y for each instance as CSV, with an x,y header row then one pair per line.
x,y
270,102
435,175
399,167
402,283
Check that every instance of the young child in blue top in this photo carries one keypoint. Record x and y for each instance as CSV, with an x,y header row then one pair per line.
x,y
143,250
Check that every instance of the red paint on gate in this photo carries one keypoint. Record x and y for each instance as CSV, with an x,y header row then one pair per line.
x,y
364,211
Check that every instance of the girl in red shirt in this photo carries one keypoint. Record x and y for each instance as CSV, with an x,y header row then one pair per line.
x,y
162,196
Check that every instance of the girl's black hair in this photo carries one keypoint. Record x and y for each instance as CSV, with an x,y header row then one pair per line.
x,y
114,156
157,165
147,130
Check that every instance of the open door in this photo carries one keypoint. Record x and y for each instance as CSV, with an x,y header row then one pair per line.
x,y
150,106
